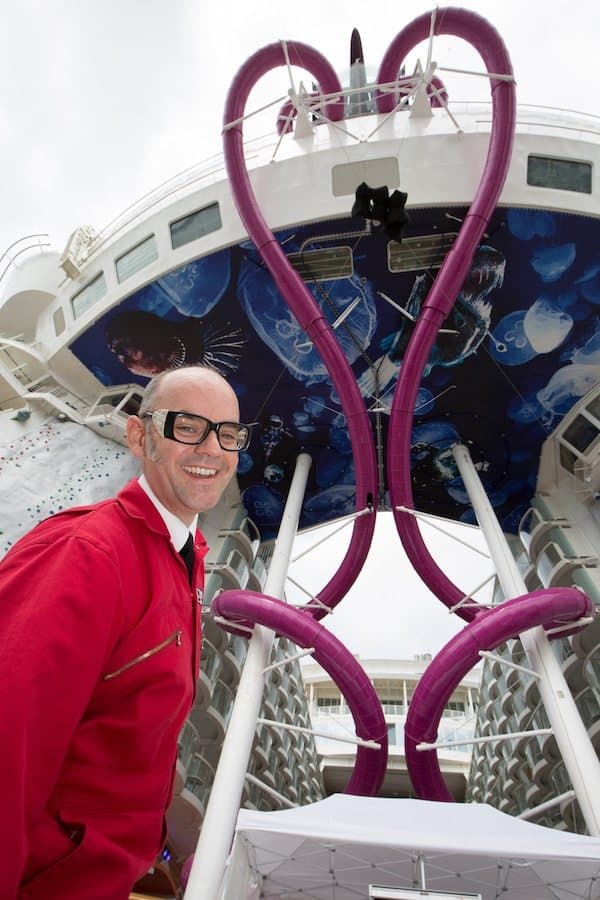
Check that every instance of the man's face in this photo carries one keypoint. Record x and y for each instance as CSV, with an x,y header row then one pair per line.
x,y
187,478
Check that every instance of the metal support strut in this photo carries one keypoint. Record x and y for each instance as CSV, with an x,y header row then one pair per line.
x,y
571,735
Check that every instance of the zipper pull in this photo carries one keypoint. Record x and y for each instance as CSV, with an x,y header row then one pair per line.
x,y
178,638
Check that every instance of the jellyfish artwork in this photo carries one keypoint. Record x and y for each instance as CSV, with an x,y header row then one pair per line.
x,y
525,333
196,288
346,303
527,224
565,387
545,326
552,262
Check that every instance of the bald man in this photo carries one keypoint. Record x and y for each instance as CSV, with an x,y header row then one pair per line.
x,y
100,616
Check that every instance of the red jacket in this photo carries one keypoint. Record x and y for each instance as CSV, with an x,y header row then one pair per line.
x,y
99,656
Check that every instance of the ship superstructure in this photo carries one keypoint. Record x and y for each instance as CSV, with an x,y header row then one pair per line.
x,y
403,292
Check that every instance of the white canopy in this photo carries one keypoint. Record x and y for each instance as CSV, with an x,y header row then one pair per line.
x,y
334,849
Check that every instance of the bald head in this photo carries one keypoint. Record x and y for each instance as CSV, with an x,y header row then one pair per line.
x,y
187,377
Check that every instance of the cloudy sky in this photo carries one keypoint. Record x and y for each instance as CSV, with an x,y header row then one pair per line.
x,y
103,101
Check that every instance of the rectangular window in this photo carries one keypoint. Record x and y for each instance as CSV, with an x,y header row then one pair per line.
x,y
328,702
563,174
346,177
593,407
427,251
58,317
581,433
88,296
137,258
394,707
196,225
454,708
323,265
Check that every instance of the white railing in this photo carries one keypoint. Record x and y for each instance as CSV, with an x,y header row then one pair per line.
x,y
29,243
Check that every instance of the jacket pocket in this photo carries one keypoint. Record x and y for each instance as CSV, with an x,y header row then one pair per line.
x,y
174,638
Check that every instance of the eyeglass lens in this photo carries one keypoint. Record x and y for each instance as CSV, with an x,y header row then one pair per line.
x,y
189,429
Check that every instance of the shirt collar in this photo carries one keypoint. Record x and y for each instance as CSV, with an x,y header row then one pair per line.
x,y
177,529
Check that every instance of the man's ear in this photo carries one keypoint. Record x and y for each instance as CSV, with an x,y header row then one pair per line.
x,y
136,436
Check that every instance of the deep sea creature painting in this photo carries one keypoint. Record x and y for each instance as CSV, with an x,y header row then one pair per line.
x,y
521,337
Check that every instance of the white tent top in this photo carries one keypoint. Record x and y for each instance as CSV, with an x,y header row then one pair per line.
x,y
335,849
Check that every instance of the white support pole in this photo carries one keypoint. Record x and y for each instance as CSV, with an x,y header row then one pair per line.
x,y
571,736
219,822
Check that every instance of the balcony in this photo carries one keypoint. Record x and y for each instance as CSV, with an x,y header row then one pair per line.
x,y
246,537
188,743
535,795
589,708
199,781
556,565
540,774
512,766
211,722
572,669
210,670
257,575
235,653
531,693
233,571
549,748
533,528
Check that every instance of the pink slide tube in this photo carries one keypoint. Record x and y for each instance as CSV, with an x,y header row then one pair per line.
x,y
337,660
301,301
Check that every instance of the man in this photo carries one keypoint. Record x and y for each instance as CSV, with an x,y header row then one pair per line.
x,y
99,654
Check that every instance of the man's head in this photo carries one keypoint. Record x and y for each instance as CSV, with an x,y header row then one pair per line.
x,y
186,478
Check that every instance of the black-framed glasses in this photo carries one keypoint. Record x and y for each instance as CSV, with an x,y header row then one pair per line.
x,y
188,428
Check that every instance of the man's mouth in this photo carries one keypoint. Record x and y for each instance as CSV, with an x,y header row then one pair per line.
x,y
199,471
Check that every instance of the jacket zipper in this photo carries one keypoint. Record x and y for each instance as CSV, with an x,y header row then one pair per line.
x,y
174,638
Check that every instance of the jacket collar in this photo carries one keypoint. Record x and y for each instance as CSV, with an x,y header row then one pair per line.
x,y
137,504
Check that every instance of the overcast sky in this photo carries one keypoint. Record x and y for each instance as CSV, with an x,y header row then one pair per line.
x,y
103,101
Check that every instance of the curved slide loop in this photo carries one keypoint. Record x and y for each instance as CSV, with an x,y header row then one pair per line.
x,y
336,659
302,302
442,676
451,276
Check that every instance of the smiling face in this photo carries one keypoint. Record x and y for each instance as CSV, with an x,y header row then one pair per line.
x,y
187,478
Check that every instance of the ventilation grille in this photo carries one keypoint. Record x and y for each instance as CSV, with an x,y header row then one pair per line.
x,y
323,265
427,251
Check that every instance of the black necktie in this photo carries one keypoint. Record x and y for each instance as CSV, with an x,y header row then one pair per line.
x,y
187,554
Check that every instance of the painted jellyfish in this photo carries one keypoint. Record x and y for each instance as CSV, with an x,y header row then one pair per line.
x,y
197,287
346,303
526,224
552,262
566,386
509,344
589,283
545,326
192,290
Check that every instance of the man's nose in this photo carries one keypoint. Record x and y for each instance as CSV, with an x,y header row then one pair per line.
x,y
210,444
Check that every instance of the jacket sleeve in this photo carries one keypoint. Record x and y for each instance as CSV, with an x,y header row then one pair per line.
x,y
60,604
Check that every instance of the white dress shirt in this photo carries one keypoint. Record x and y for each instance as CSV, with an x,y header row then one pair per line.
x,y
177,529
